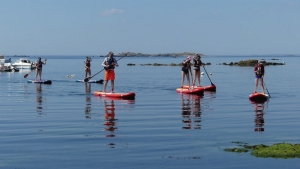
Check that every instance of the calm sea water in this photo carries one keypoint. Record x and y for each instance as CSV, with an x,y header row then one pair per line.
x,y
64,126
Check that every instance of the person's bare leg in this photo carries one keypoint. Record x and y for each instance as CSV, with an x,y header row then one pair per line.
x,y
182,78
255,85
36,74
40,71
262,85
104,86
112,85
194,80
188,79
198,75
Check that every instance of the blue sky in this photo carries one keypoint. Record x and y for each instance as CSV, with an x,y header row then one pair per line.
x,y
95,27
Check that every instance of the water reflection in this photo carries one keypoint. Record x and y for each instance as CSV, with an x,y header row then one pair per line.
x,y
39,99
88,103
109,117
259,120
109,121
191,111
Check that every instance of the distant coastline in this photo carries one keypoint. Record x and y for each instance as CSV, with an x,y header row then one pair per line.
x,y
132,54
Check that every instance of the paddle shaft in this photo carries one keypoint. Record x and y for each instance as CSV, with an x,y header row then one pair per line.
x,y
266,88
89,78
208,76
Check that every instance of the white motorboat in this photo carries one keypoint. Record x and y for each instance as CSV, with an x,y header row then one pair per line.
x,y
23,63
6,66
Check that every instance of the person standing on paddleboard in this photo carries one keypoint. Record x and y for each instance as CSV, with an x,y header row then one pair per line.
x,y
39,65
87,67
259,71
186,68
109,65
197,63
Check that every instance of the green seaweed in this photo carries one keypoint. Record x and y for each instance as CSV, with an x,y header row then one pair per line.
x,y
278,150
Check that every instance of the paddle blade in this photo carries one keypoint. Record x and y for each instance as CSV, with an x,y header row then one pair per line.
x,y
87,79
25,75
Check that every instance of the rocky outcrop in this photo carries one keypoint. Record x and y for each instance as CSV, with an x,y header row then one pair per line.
x,y
132,54
160,64
251,63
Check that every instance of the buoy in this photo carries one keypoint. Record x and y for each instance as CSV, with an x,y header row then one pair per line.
x,y
210,73
70,76
202,73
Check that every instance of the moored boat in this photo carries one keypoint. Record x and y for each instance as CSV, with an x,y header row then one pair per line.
x,y
23,63
6,66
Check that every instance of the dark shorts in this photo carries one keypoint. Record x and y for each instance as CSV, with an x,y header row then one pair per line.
x,y
258,76
186,71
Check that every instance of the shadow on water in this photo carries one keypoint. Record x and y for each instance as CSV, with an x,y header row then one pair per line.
x,y
110,108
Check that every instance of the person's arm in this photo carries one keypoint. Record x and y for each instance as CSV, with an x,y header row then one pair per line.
x,y
103,63
201,63
190,65
116,62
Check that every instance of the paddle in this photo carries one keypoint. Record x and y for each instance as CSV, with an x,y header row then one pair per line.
x,y
25,76
89,78
266,89
208,77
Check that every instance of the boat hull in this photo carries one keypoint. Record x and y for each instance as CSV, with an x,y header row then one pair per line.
x,y
23,66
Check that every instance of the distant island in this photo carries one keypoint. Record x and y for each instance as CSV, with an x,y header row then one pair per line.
x,y
252,62
132,54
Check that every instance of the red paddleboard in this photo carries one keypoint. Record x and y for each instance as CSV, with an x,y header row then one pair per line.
x,y
258,97
115,95
205,88
190,91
